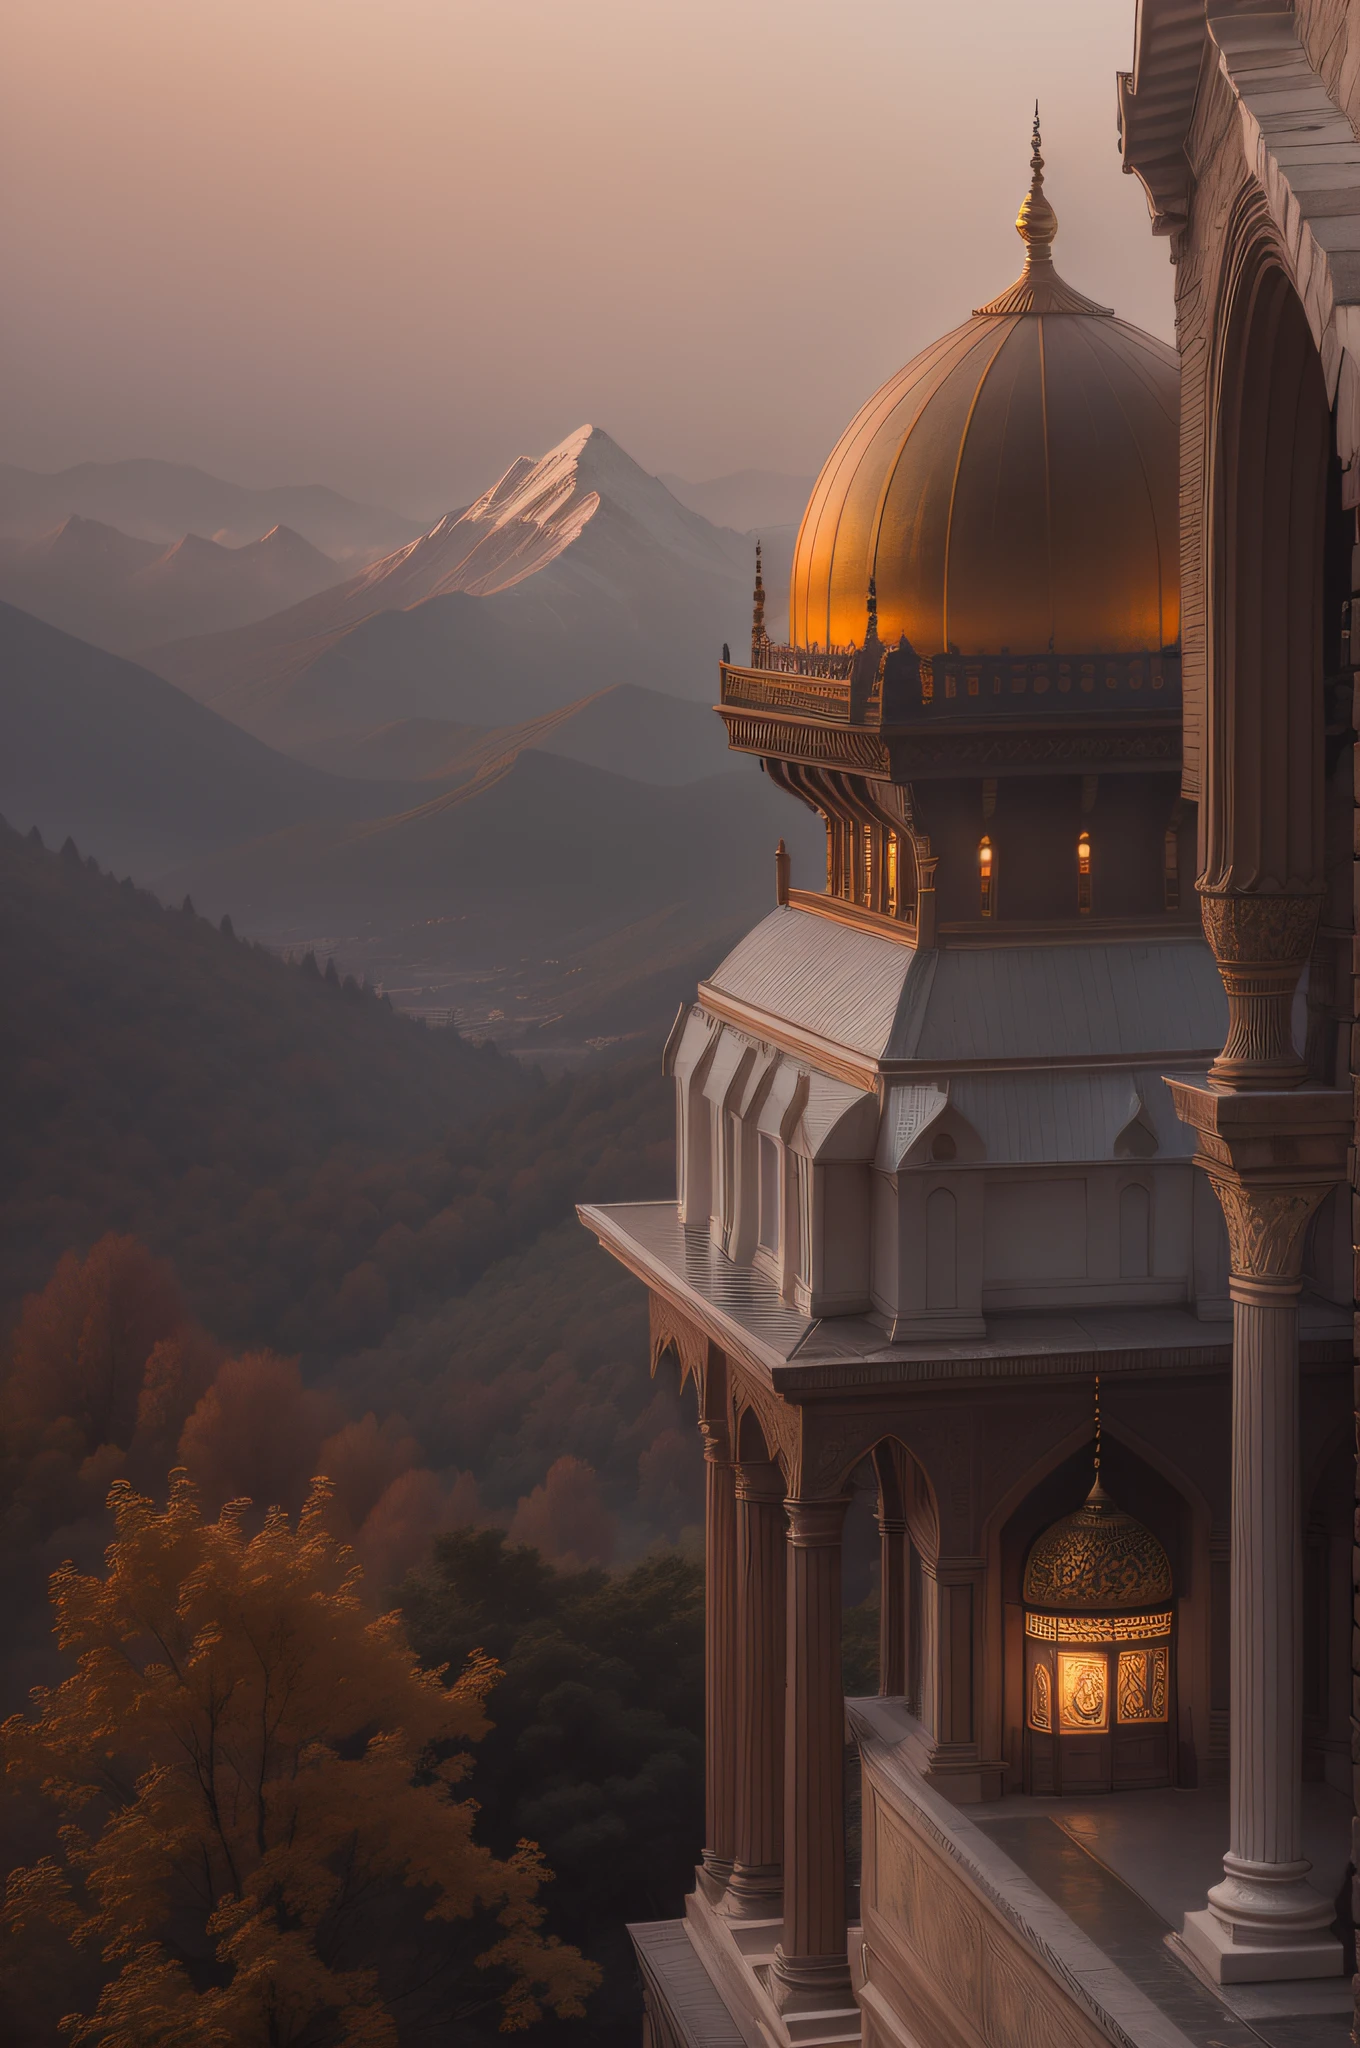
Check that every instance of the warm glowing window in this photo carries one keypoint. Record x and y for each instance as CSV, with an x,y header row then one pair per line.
x,y
867,841
892,874
986,874
1084,874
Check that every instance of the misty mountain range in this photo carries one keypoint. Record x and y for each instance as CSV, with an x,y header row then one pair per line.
x,y
572,572
495,740
123,592
163,501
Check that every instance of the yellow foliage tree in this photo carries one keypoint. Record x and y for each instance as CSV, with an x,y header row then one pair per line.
x,y
244,1757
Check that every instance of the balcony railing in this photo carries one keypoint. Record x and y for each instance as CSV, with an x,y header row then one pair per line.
x,y
877,686
810,694
836,662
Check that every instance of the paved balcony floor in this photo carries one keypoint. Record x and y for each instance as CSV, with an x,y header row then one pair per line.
x,y
1126,1869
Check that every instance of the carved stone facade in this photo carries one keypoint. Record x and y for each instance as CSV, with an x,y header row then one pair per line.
x,y
993,1122
1243,129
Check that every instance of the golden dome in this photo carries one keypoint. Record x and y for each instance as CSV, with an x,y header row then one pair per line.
x,y
1097,1561
1013,489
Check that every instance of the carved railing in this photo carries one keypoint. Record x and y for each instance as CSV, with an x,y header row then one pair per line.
x,y
810,694
838,662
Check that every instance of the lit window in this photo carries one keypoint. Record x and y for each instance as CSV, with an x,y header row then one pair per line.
x,y
986,874
1084,875
892,874
866,834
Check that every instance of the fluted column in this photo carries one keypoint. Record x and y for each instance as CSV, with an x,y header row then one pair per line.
x,y
811,1972
720,1658
1270,1159
757,1875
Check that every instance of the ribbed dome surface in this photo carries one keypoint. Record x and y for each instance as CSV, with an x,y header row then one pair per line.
x,y
1013,489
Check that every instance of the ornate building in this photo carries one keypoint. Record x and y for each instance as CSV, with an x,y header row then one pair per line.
x,y
953,1136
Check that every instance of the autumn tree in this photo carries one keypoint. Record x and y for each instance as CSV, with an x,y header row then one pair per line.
x,y
262,1842
81,1346
257,1431
566,1518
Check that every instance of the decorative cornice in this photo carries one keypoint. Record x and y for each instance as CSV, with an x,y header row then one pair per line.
x,y
793,739
916,755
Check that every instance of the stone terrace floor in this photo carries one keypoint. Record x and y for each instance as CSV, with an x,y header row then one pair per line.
x,y
1126,1868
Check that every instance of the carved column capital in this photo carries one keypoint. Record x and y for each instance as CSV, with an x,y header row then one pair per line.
x,y
1266,1228
1271,1159
816,1524
1261,942
759,1479
717,1440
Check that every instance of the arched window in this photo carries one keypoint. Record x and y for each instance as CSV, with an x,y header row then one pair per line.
x,y
987,875
1084,874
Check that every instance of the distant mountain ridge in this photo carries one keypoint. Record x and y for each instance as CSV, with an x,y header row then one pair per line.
x,y
573,572
632,732
94,746
163,501
124,592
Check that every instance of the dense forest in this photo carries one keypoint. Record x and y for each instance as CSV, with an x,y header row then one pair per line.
x,y
258,1227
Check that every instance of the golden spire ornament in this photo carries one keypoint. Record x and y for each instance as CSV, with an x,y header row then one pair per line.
x,y
1039,289
1036,223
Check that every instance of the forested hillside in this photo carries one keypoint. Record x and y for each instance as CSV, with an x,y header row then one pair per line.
x,y
161,1076
257,1226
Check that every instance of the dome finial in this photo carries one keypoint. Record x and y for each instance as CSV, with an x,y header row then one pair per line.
x,y
1039,289
1036,223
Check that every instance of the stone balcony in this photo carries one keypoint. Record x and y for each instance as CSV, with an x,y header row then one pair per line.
x,y
1024,1923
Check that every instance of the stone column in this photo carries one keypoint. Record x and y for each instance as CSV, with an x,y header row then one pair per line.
x,y
894,1557
1271,1159
758,1875
720,1658
893,1560
811,1972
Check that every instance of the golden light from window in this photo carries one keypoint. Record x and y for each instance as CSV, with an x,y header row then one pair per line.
x,y
985,870
892,874
1084,874
1084,854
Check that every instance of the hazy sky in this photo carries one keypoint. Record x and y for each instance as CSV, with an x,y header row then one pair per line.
x,y
390,244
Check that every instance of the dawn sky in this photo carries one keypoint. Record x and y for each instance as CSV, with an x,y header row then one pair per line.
x,y
390,244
